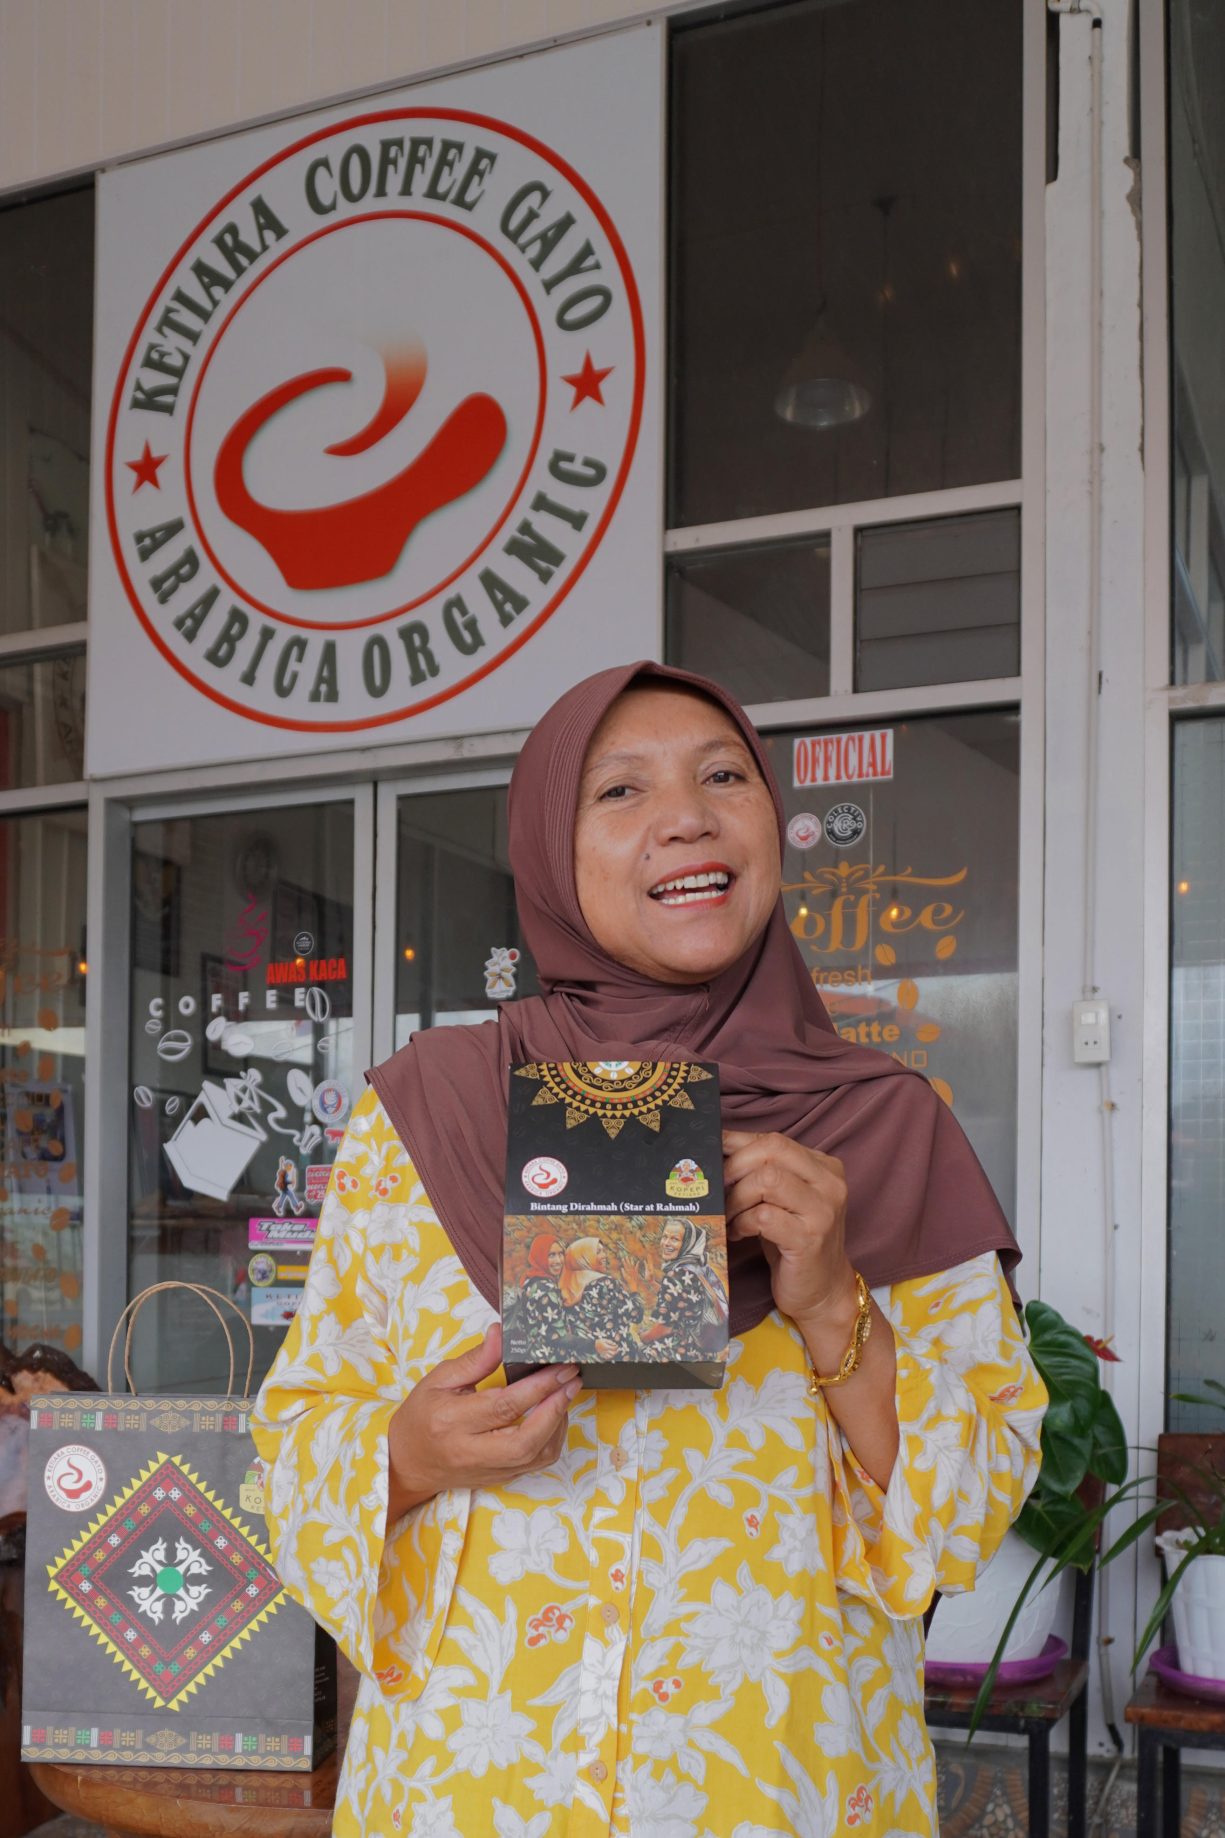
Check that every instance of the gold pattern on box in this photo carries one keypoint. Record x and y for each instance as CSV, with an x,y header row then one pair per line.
x,y
614,1090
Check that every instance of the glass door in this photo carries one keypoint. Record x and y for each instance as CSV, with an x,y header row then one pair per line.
x,y
249,1032
448,947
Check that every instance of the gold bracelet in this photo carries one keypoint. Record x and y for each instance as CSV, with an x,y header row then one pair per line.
x,y
854,1352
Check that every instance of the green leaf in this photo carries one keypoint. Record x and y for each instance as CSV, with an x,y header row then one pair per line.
x,y
1191,1397
1160,1607
1070,1373
1047,1520
1135,1531
1060,1352
1108,1452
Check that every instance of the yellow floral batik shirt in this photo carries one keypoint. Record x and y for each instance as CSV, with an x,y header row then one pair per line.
x,y
703,1622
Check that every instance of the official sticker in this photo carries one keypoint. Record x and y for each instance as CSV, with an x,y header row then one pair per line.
x,y
545,1177
75,1478
844,825
330,1101
842,759
262,1269
804,831
304,943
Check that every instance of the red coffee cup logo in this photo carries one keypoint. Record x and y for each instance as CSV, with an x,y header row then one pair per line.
x,y
75,1478
544,1177
375,419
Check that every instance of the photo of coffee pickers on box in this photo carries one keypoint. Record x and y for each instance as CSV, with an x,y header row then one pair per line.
x,y
614,1249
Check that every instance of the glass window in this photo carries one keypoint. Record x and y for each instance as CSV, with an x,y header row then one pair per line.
x,y
46,363
846,254
458,947
1197,302
900,882
762,613
42,1076
1197,1060
938,602
42,720
241,1068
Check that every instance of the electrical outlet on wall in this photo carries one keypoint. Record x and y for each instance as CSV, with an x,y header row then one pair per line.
x,y
1091,1032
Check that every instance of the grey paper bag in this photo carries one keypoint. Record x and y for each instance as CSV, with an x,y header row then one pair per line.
x,y
157,1632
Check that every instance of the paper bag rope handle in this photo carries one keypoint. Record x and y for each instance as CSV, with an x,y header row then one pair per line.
x,y
209,1296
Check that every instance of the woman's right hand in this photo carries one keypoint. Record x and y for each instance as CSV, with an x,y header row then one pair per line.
x,y
447,1434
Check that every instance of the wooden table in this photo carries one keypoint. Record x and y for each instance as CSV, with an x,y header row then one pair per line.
x,y
203,1802
1167,1722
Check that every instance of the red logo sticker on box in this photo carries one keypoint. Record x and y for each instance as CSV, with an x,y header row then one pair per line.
x,y
75,1478
545,1176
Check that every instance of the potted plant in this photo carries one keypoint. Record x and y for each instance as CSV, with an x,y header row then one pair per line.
x,y
1195,1595
1084,1451
1194,1589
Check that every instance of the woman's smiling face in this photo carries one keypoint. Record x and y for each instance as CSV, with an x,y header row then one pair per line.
x,y
672,1240
676,855
557,1258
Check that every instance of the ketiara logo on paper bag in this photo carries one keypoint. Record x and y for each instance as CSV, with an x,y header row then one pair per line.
x,y
374,419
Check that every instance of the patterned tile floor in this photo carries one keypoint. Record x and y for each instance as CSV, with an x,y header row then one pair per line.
x,y
983,1796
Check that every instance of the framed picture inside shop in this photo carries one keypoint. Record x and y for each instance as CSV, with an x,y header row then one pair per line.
x,y
307,924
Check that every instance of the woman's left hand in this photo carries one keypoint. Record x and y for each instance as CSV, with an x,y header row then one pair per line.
x,y
794,1200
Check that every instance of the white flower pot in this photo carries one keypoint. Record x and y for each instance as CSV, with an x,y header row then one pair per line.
x,y
966,1629
1198,1607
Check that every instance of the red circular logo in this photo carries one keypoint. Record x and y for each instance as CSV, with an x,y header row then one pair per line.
x,y
75,1478
375,419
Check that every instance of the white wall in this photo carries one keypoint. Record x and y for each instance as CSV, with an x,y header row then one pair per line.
x,y
85,82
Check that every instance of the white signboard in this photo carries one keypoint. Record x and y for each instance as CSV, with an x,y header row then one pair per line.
x,y
378,411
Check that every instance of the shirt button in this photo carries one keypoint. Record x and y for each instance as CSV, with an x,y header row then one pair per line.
x,y
619,1458
610,1613
598,1771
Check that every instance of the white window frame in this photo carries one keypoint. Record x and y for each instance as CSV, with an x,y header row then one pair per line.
x,y
1166,703
32,646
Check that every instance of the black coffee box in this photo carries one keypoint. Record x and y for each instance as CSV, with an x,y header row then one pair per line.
x,y
614,1247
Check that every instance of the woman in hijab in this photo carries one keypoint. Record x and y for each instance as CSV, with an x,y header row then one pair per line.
x,y
691,1304
692,1613
540,1295
601,1307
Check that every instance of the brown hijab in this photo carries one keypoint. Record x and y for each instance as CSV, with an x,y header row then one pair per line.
x,y
919,1200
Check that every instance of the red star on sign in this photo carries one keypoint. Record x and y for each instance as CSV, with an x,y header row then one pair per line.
x,y
146,467
586,383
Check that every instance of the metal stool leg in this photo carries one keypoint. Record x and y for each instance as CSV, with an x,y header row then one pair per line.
x,y
1171,1790
1078,1746
1039,1782
1146,1785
